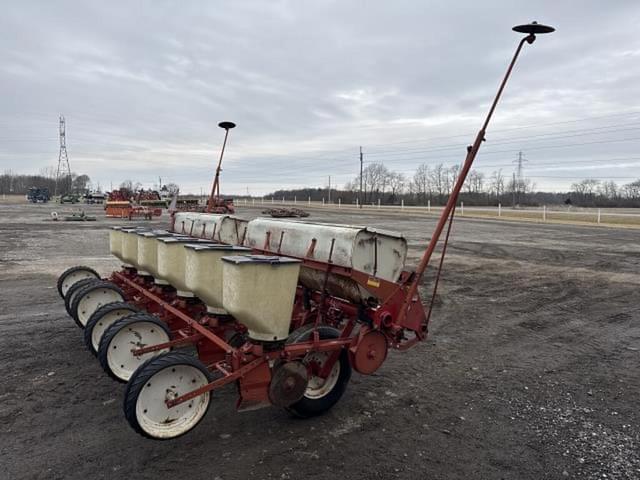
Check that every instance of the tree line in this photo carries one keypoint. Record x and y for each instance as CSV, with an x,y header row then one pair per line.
x,y
18,184
433,184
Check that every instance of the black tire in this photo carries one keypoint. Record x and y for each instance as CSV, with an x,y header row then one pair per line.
x,y
61,279
102,284
112,331
97,317
142,376
75,288
310,407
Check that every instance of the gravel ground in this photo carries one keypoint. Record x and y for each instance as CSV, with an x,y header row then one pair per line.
x,y
531,370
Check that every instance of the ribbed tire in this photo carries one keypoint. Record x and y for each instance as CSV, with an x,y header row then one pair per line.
x,y
319,403
96,286
173,373
113,334
97,321
75,288
73,275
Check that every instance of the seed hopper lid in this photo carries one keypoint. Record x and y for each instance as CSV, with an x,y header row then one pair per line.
x,y
156,233
135,229
218,247
173,239
254,259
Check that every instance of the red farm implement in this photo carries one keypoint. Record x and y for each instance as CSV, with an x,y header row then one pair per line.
x,y
284,310
123,203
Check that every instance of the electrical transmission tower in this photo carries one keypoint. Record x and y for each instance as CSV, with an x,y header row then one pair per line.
x,y
63,162
518,179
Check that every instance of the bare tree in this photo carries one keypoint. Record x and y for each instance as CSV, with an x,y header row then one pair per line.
x,y
632,190
438,180
496,185
396,183
130,185
80,183
421,183
609,189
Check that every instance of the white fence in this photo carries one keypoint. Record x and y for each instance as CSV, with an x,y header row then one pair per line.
x,y
627,216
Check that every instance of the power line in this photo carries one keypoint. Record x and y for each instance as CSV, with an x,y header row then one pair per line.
x,y
528,138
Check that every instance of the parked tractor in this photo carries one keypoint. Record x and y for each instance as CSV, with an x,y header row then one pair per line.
x,y
38,195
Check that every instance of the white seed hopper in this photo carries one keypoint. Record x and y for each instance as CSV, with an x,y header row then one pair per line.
x,y
378,253
147,251
129,249
258,290
171,259
203,272
227,229
115,242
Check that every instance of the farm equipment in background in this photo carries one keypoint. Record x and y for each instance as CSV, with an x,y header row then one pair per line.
x,y
38,195
80,216
124,203
70,198
283,309
217,204
94,198
285,212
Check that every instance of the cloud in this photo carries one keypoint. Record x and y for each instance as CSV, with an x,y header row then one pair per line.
x,y
143,87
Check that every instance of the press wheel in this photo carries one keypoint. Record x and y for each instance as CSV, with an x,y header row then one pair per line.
x,y
74,289
162,378
132,332
72,275
102,319
91,298
321,394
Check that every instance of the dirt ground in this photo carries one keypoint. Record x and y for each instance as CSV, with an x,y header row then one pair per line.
x,y
532,369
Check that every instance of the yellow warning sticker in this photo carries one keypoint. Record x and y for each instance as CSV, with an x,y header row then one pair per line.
x,y
372,282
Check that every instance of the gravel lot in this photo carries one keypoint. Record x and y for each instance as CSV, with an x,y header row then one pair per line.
x,y
531,371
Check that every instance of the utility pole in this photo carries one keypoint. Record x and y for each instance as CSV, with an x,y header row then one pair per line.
x,y
329,192
63,159
360,196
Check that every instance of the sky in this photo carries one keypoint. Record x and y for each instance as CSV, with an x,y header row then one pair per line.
x,y
143,85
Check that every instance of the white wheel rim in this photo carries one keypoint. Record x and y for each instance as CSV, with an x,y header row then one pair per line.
x,y
319,387
105,322
120,358
172,382
93,300
73,278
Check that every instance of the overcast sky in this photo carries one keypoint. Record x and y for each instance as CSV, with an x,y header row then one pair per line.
x,y
143,85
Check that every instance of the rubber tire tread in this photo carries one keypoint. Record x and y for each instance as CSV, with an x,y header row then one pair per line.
x,y
98,314
307,407
111,332
76,301
69,271
142,375
74,289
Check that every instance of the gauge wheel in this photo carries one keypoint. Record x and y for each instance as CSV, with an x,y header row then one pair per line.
x,y
321,394
91,298
132,332
74,289
73,275
102,319
167,376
